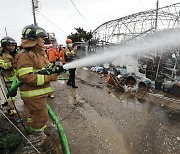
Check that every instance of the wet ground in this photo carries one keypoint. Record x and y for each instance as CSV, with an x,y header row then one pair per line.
x,y
100,119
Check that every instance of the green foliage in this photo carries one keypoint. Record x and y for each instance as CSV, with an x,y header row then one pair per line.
x,y
80,35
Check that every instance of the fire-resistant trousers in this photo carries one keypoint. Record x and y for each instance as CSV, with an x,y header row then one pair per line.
x,y
37,112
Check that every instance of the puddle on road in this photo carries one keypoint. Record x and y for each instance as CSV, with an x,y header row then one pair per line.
x,y
164,111
107,130
105,127
148,106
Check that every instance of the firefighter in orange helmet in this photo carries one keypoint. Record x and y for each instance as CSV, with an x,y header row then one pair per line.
x,y
36,87
70,55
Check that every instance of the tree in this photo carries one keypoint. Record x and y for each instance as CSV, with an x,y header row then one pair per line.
x,y
80,35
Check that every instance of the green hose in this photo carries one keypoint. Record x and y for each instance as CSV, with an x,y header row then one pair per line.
x,y
14,89
14,80
52,114
60,129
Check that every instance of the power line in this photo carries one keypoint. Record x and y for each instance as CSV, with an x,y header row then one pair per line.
x,y
77,10
53,23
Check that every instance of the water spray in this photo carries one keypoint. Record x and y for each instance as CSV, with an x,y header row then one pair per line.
x,y
165,40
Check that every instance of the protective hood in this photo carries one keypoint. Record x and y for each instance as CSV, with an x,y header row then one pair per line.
x,y
26,43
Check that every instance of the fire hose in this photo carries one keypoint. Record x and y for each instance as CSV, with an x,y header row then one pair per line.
x,y
60,130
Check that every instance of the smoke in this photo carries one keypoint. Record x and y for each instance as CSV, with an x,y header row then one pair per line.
x,y
165,40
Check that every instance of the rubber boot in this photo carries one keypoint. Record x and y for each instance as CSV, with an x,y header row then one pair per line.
x,y
74,86
69,83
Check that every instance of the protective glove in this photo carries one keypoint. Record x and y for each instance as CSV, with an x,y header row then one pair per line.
x,y
13,94
56,69
52,77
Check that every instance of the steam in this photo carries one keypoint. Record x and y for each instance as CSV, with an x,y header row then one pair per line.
x,y
165,40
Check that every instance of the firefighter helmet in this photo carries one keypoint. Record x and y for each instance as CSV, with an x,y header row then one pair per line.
x,y
32,32
8,41
68,41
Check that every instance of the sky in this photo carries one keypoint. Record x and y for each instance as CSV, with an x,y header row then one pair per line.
x,y
62,16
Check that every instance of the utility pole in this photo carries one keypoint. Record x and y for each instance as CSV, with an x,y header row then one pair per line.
x,y
155,28
34,8
156,20
5,31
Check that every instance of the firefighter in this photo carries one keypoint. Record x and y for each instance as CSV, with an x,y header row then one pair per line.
x,y
7,55
36,87
62,55
52,54
70,55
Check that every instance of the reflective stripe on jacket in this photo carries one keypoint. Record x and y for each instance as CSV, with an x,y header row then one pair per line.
x,y
4,64
37,92
23,71
38,129
8,79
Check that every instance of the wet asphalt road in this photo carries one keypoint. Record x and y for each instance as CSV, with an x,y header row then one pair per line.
x,y
99,119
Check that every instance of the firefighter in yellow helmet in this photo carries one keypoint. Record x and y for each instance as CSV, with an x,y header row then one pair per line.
x,y
36,87
7,56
